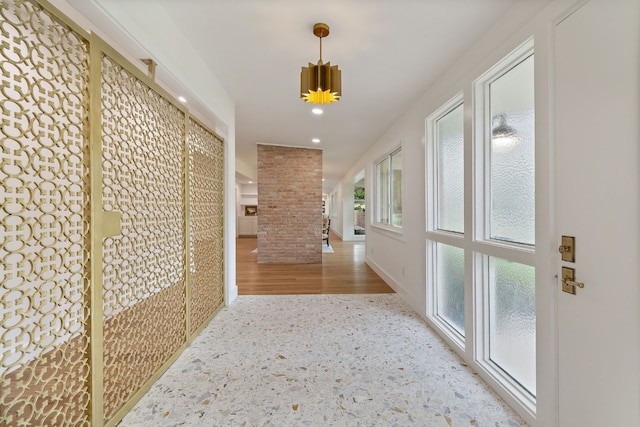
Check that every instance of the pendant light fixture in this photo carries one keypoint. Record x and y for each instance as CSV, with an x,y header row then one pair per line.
x,y
320,83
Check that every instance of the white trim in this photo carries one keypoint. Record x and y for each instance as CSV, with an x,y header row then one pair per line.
x,y
290,146
446,237
230,232
394,284
388,231
511,252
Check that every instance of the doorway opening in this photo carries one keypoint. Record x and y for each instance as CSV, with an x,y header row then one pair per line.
x,y
359,208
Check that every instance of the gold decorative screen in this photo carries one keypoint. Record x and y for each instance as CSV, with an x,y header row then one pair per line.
x,y
44,220
206,168
144,266
92,311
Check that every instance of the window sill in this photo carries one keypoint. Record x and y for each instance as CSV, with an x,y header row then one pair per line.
x,y
389,231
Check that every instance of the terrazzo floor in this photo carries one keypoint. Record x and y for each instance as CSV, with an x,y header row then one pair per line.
x,y
320,360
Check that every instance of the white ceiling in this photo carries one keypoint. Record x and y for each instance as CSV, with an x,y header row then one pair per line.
x,y
389,53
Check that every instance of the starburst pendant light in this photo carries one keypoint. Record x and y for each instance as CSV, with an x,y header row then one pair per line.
x,y
320,83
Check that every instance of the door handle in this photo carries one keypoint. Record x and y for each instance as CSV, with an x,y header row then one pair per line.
x,y
572,283
569,284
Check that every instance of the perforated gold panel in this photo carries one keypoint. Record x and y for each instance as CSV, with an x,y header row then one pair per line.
x,y
144,266
47,347
206,168
44,220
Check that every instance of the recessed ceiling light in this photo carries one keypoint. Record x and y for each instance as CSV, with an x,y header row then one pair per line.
x,y
317,110
322,179
182,99
250,182
316,140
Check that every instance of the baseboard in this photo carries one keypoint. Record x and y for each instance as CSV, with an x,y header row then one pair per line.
x,y
340,236
355,238
395,285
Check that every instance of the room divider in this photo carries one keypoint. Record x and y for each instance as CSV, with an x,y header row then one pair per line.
x,y
111,224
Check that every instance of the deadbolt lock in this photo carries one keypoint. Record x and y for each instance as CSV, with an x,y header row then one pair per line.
x,y
568,248
568,281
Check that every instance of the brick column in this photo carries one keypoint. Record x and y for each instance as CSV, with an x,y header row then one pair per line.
x,y
289,205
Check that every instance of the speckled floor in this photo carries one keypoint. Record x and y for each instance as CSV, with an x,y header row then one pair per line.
x,y
320,360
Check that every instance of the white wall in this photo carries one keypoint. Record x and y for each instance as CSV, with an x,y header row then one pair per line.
x,y
400,257
248,196
336,209
346,214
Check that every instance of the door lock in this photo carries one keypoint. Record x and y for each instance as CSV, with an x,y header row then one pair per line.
x,y
568,281
568,248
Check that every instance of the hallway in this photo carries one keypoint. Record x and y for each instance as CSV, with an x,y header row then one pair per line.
x,y
342,272
320,360
357,357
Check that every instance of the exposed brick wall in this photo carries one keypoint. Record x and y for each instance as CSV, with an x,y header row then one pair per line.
x,y
289,205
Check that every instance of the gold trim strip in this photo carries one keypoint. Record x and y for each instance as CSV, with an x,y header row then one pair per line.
x,y
62,19
97,214
204,325
187,229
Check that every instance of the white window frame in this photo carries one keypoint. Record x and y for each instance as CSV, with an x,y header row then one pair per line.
x,y
475,241
482,246
388,190
435,235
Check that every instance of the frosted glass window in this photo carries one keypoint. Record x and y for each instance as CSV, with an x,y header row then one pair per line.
x,y
512,156
450,171
396,189
512,320
382,192
450,285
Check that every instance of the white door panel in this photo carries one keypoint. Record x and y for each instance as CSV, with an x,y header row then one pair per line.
x,y
597,55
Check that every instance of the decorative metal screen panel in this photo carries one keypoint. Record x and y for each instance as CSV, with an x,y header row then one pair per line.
x,y
46,278
44,220
206,168
144,266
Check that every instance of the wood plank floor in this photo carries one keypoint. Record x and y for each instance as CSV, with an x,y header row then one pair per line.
x,y
342,272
